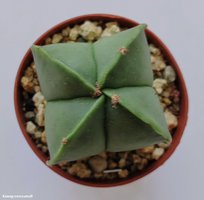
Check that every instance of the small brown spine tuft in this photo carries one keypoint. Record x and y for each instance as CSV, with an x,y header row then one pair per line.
x,y
64,141
115,100
97,92
123,50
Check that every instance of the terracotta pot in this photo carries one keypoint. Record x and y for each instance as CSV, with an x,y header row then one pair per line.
x,y
168,56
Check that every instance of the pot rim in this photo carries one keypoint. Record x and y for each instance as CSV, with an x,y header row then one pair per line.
x,y
182,120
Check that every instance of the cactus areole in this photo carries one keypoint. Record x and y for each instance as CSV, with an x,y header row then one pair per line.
x,y
99,96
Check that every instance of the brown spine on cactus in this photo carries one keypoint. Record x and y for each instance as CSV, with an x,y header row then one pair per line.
x,y
123,50
115,100
64,141
97,92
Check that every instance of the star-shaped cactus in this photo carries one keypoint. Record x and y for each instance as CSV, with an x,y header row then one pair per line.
x,y
100,96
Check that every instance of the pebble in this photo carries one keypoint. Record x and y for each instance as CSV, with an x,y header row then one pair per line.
x,y
148,149
157,153
38,134
29,115
164,145
56,38
27,84
112,164
159,84
66,31
44,149
38,98
37,88
31,127
43,138
112,28
171,120
142,164
74,32
90,31
48,41
155,51
123,173
122,163
40,115
169,74
136,158
158,64
98,164
80,170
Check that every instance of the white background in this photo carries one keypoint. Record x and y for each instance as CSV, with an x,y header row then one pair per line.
x,y
179,23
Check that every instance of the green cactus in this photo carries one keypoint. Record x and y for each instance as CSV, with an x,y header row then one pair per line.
x,y
100,96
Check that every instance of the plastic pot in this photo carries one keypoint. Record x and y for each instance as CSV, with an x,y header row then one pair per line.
x,y
167,55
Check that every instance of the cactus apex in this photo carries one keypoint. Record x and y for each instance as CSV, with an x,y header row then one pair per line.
x,y
64,141
123,50
115,100
97,92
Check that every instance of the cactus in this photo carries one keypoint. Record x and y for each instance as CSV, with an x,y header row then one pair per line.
x,y
99,96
